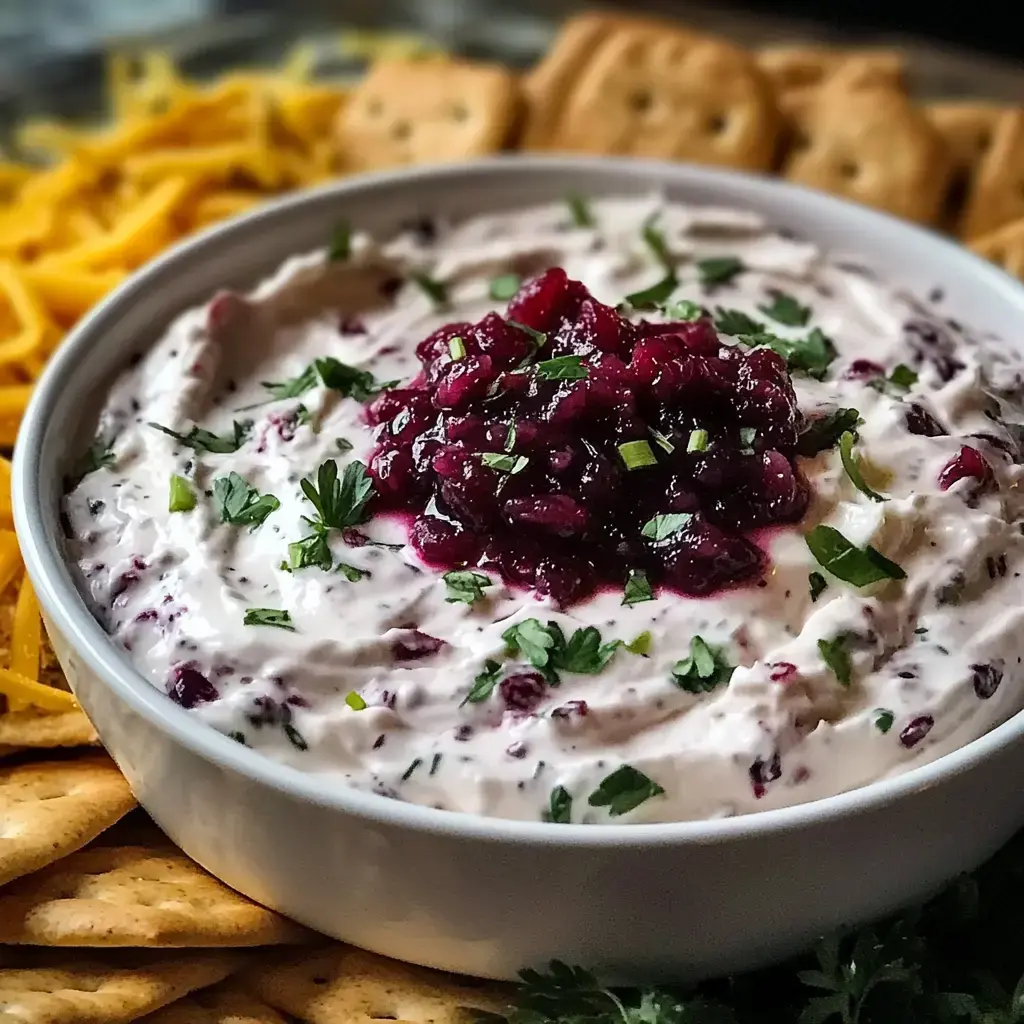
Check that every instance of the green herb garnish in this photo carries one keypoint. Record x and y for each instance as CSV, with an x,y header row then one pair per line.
x,y
640,644
413,765
352,572
559,809
785,309
661,440
823,432
348,380
817,585
837,657
504,286
310,551
698,441
293,386
484,684
436,291
201,440
637,588
268,617
343,444
901,380
539,338
546,648
340,247
355,701
665,526
465,586
735,322
182,497
456,349
654,296
241,504
854,467
624,790
339,503
847,562
719,270
683,309
748,435
883,720
637,454
99,455
504,462
579,210
704,669
655,241
810,356
562,368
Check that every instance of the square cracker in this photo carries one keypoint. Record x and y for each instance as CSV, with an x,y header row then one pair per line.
x,y
968,128
344,984
996,195
873,146
104,990
46,730
639,87
426,111
1004,247
52,808
795,67
134,896
222,1004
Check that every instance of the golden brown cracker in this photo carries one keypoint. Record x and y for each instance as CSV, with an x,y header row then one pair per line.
x,y
651,90
968,128
104,990
135,896
797,66
50,809
1004,247
41,729
872,146
222,1004
426,111
996,195
343,984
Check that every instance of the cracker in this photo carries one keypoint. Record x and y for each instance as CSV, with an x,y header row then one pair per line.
x,y
344,985
795,67
222,1004
50,809
135,896
1004,247
105,990
643,88
41,729
996,195
426,111
968,128
872,146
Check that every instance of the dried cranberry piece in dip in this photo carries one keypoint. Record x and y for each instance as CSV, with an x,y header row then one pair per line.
x,y
567,447
967,463
189,687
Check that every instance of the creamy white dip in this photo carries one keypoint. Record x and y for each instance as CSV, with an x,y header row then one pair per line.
x,y
935,658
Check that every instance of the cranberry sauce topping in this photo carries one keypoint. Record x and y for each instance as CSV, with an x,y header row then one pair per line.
x,y
566,447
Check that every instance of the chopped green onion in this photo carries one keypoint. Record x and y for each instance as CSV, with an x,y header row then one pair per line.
x,y
698,441
637,454
853,465
183,498
457,349
504,286
354,701
580,211
661,440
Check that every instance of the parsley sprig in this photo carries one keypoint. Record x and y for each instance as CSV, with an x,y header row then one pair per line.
x,y
546,648
239,503
201,440
339,503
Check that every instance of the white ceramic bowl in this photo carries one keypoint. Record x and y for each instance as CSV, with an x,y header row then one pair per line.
x,y
484,896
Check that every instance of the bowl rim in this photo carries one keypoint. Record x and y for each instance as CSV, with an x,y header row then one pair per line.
x,y
62,602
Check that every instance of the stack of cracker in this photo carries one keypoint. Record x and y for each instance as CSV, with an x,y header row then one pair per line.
x,y
620,85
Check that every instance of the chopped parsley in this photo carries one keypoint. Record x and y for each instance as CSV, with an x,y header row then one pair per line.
x,y
823,432
310,551
456,349
348,380
719,270
704,669
484,683
352,572
698,441
239,503
883,720
854,467
559,809
579,210
683,309
355,701
858,566
201,440
539,338
811,356
900,381
562,368
295,738
436,291
293,387
637,588
340,247
637,454
735,322
504,462
504,286
182,498
665,526
624,790
837,657
784,309
268,617
339,503
546,648
816,584
655,241
99,455
654,296
413,765
343,444
466,586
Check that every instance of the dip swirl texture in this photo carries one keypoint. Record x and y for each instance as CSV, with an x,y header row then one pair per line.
x,y
337,650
